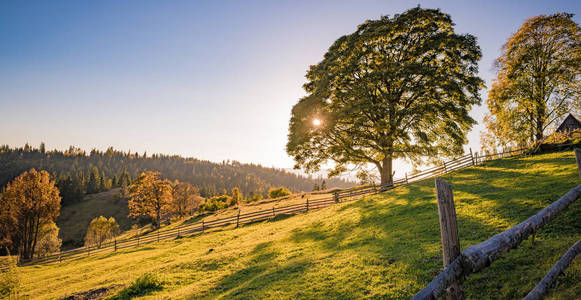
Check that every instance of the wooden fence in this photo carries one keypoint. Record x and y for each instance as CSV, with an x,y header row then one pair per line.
x,y
458,264
341,195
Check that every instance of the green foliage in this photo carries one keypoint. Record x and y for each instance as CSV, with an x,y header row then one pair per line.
x,y
255,197
10,277
48,241
236,195
537,82
399,87
278,192
146,283
100,230
72,170
216,203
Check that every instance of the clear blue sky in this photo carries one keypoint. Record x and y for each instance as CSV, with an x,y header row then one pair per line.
x,y
210,79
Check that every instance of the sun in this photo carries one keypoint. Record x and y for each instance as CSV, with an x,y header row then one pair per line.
x,y
316,122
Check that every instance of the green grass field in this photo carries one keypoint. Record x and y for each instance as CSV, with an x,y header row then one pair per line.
x,y
382,246
74,219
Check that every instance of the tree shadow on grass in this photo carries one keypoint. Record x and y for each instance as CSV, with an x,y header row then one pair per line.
x,y
259,276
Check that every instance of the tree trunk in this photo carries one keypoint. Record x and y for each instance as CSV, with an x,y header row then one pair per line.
x,y
385,172
539,131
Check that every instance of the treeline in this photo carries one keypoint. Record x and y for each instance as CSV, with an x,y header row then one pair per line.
x,y
77,172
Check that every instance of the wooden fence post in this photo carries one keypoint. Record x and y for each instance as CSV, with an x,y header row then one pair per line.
x,y
449,232
578,159
158,235
115,244
238,219
273,211
137,240
202,225
88,250
406,178
472,157
374,188
307,204
445,170
336,196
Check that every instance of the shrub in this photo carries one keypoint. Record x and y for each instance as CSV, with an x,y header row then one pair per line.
x,y
9,278
143,285
255,197
101,229
216,203
278,192
48,241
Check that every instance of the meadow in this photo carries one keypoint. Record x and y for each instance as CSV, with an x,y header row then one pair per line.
x,y
381,246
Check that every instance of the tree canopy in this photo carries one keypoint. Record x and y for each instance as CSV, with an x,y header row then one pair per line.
x,y
398,87
538,81
150,197
100,230
30,201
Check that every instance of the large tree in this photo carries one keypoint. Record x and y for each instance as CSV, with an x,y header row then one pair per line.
x,y
538,80
29,201
150,197
398,87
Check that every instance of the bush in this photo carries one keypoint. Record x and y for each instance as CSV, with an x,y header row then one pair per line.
x,y
216,203
9,279
255,197
143,285
48,241
278,192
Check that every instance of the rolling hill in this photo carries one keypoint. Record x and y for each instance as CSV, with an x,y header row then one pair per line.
x,y
381,246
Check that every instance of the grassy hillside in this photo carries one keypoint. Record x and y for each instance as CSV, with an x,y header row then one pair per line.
x,y
386,245
74,219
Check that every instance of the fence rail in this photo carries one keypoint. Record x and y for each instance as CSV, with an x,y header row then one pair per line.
x,y
479,257
339,195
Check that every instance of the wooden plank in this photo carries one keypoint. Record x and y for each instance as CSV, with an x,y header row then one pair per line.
x,y
480,256
559,268
449,232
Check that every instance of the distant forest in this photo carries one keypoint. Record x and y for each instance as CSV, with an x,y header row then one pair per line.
x,y
78,173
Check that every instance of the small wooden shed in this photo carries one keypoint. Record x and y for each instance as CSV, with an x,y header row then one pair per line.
x,y
569,124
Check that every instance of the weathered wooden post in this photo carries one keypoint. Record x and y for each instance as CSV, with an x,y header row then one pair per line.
x,y
449,232
202,225
336,196
578,159
178,232
238,219
472,157
406,178
138,240
158,235
445,169
307,204
374,188
273,211
115,243
88,250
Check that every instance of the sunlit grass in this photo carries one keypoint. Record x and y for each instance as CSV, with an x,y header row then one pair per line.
x,y
386,245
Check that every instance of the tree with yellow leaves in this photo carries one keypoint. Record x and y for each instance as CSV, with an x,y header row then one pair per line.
x,y
150,197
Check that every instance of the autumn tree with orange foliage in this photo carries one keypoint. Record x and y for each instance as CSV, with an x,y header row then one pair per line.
x,y
150,197
28,202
